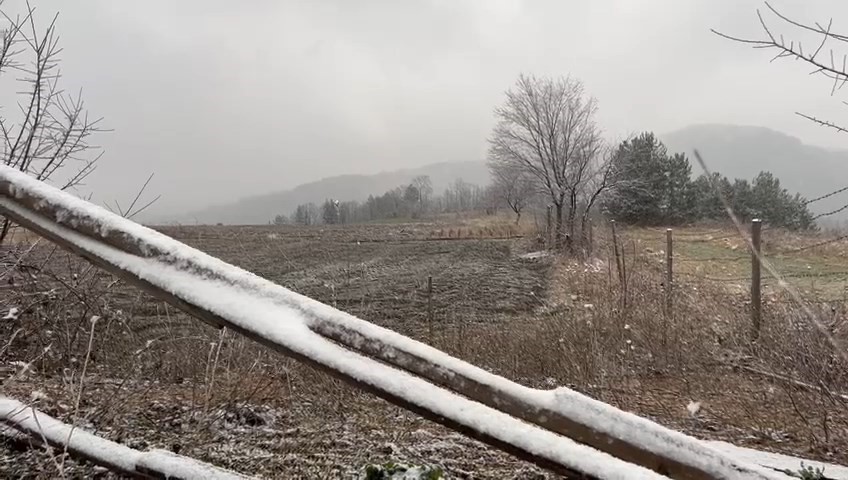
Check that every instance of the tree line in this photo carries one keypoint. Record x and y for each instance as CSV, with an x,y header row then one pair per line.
x,y
409,201
547,143
547,150
655,187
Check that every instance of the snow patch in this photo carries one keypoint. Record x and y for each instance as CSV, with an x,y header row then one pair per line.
x,y
37,395
778,461
693,408
12,314
535,255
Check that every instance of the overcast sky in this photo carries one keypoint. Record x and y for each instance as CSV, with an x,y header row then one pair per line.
x,y
227,99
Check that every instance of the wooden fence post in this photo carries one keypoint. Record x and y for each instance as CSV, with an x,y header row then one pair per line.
x,y
621,265
548,230
669,269
669,278
616,252
756,300
430,298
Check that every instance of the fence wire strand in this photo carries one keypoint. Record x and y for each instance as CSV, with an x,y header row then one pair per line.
x,y
832,212
792,251
767,279
827,195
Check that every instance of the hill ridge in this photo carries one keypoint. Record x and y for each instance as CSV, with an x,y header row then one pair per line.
x,y
261,208
742,151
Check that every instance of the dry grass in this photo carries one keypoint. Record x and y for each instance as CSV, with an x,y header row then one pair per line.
x,y
21,236
158,378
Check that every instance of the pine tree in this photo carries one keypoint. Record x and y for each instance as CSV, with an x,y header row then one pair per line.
x,y
652,187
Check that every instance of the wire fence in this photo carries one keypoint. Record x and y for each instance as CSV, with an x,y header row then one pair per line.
x,y
727,259
824,243
827,195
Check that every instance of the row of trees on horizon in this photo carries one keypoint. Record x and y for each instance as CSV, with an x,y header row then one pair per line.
x,y
655,189
547,150
409,201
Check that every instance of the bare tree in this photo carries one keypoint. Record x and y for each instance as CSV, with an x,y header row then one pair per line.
x,y
514,187
580,180
47,136
822,57
425,188
546,128
599,179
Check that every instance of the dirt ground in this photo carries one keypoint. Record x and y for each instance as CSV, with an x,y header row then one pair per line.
x,y
148,384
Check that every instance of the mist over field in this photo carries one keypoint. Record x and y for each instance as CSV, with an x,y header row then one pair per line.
x,y
224,101
733,150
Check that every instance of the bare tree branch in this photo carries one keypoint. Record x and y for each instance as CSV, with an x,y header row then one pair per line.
x,y
823,123
49,136
827,67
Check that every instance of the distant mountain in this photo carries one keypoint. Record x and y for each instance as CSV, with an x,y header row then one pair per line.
x,y
743,151
260,209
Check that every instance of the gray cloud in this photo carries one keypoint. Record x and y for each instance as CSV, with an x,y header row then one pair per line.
x,y
226,99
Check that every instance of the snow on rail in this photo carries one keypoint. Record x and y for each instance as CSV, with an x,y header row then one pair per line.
x,y
778,461
156,463
282,317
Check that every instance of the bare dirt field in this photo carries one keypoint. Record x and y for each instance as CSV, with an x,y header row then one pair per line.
x,y
157,378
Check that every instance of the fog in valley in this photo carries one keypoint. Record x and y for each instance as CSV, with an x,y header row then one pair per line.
x,y
224,100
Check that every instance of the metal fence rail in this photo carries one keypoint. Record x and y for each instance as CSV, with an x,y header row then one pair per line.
x,y
561,430
40,428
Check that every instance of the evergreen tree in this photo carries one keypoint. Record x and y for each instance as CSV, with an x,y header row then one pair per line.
x,y
652,187
776,206
678,201
741,200
708,204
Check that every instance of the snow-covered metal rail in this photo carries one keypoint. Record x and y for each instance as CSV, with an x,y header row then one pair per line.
x,y
43,429
560,430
